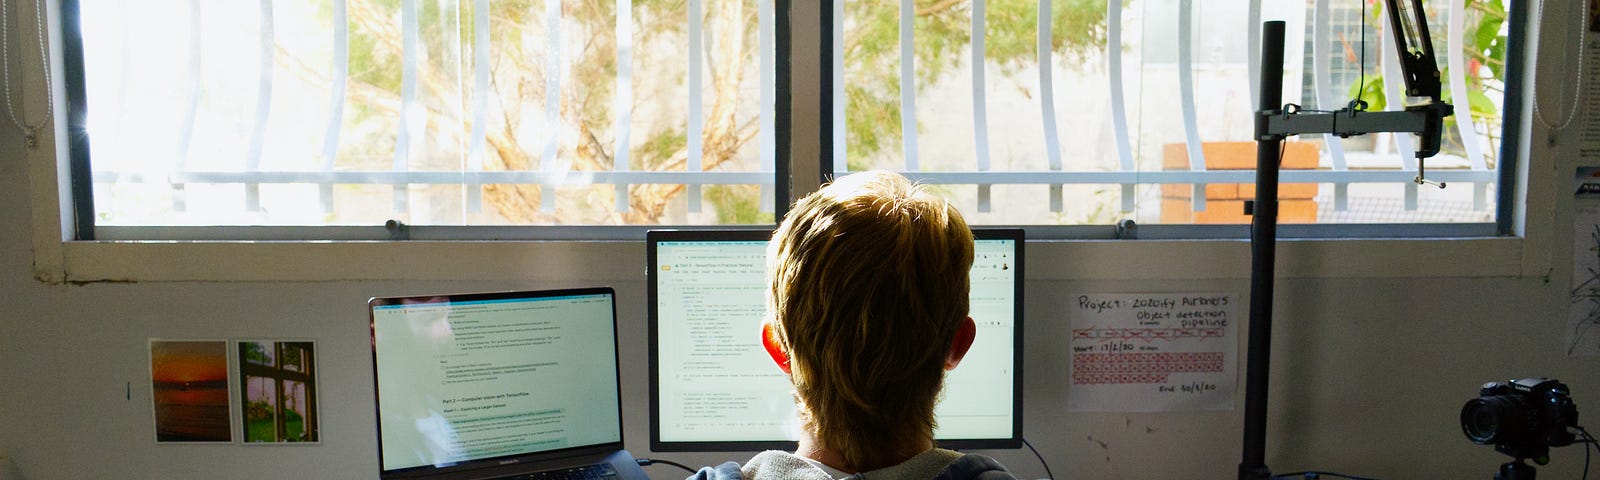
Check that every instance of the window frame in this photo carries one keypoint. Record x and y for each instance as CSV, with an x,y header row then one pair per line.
x,y
82,173
1521,248
1508,161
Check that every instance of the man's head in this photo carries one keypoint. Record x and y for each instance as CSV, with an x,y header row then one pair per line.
x,y
869,297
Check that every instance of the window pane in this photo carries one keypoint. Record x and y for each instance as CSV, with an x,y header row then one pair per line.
x,y
260,409
295,412
259,353
1103,129
449,112
294,356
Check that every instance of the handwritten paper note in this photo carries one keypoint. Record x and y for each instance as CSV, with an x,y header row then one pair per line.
x,y
1153,352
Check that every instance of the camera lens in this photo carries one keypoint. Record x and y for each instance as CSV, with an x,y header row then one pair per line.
x,y
1481,424
1487,419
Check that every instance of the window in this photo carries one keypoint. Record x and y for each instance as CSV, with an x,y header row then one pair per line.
x,y
1080,112
337,114
454,112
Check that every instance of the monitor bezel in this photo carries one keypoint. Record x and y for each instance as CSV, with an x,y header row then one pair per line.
x,y
654,237
443,471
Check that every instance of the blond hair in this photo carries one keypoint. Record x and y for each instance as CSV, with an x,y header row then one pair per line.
x,y
869,282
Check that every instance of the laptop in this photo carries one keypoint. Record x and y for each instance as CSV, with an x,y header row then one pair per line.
x,y
504,385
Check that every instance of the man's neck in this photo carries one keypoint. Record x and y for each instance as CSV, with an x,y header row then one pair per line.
x,y
810,448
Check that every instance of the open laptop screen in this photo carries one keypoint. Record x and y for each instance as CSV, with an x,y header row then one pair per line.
x,y
490,378
713,387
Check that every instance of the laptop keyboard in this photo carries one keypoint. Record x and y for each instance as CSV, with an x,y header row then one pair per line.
x,y
589,472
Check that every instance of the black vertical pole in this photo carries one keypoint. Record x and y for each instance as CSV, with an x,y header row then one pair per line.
x,y
1263,244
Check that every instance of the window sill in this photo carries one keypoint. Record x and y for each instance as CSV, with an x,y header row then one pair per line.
x,y
612,261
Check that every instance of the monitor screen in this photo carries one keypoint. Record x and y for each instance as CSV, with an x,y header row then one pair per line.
x,y
714,388
493,378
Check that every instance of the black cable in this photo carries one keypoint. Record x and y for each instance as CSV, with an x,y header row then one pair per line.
x,y
1047,473
1586,458
1361,82
1293,108
1308,475
645,462
1591,443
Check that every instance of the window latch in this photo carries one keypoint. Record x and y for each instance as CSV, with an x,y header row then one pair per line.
x,y
398,231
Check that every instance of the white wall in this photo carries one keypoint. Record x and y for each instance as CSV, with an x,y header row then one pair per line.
x,y
1376,343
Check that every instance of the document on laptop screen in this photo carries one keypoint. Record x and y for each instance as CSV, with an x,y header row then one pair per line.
x,y
472,380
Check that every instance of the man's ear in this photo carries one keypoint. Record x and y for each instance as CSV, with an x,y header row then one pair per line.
x,y
770,340
965,333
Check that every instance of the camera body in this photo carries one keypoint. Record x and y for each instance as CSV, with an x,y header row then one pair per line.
x,y
1521,418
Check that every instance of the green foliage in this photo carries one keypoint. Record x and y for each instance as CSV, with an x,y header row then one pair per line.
x,y
873,123
256,352
661,146
1486,38
1483,45
737,204
1370,92
1077,30
942,36
259,426
1481,104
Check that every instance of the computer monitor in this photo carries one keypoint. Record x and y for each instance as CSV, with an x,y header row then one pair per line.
x,y
714,388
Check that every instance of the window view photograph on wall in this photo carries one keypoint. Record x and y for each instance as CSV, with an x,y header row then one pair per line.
x,y
438,112
279,384
1088,112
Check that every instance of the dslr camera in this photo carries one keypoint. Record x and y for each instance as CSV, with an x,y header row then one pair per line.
x,y
1521,418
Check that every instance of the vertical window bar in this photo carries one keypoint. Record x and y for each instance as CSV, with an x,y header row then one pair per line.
x,y
552,103
783,106
1119,107
623,106
408,98
908,85
980,115
1322,80
336,83
191,102
1457,69
1394,87
769,95
1047,100
480,101
1191,127
252,191
1506,194
696,116
841,150
77,110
